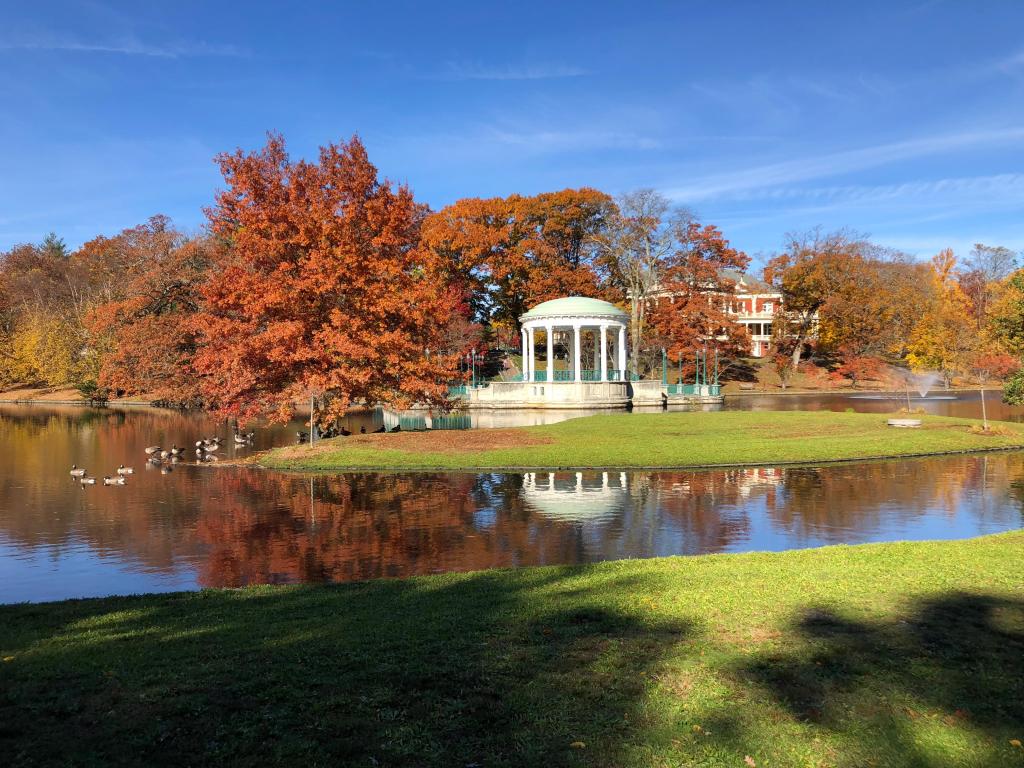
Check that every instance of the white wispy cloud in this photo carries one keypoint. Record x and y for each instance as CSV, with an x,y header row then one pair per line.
x,y
549,141
468,71
743,180
966,186
129,46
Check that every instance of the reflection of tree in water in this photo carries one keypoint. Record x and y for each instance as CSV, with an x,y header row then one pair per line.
x,y
367,525
827,501
242,526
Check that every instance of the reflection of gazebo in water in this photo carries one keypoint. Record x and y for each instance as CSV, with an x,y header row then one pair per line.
x,y
576,497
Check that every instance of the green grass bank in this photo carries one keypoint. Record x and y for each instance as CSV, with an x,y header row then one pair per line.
x,y
652,440
903,654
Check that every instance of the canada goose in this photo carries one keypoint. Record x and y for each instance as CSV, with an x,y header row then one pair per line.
x,y
345,432
200,443
176,451
241,440
211,448
362,429
165,454
381,430
87,480
113,480
76,472
123,470
398,428
153,449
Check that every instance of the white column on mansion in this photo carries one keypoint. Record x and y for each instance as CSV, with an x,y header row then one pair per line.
x,y
577,374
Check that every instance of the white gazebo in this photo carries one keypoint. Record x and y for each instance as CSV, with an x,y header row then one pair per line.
x,y
573,318
573,324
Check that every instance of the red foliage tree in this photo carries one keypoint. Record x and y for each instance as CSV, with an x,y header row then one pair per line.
x,y
695,314
151,276
860,368
322,288
996,365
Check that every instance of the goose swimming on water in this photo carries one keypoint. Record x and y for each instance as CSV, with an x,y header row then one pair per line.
x,y
87,480
76,471
113,480
123,470
153,449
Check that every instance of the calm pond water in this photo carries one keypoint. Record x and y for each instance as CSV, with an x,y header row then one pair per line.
x,y
208,526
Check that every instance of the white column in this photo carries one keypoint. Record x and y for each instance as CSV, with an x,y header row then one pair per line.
x,y
551,351
622,353
530,362
604,354
597,352
578,376
525,340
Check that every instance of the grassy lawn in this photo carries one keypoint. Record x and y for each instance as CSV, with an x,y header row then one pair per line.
x,y
658,439
906,654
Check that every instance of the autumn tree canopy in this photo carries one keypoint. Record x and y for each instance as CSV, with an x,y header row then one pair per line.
x,y
322,287
699,278
152,277
507,254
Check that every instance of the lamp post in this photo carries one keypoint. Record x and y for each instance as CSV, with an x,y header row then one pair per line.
x,y
473,365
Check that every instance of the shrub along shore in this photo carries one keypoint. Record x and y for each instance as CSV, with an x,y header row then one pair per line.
x,y
687,439
902,654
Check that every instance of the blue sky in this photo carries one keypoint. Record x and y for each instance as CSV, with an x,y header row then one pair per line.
x,y
902,120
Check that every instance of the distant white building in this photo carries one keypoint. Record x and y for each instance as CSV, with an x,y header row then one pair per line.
x,y
753,304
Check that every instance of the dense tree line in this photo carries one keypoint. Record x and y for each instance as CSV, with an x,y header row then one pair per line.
x,y
319,277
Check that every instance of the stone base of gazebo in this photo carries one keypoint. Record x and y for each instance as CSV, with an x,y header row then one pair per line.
x,y
582,394
550,394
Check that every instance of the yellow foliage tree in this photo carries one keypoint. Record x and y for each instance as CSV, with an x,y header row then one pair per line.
x,y
945,338
43,350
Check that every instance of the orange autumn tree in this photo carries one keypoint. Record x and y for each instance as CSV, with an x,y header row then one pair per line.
x,y
945,338
150,277
511,253
699,280
322,288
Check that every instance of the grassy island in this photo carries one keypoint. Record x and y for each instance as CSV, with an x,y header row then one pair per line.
x,y
903,654
688,439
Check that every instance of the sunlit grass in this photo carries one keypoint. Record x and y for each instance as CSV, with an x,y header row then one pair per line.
x,y
905,654
662,440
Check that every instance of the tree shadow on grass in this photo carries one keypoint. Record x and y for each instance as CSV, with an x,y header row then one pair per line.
x,y
482,669
942,686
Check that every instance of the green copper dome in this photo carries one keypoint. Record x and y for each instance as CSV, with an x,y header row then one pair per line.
x,y
574,306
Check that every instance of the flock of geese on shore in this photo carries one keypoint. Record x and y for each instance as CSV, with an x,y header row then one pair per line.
x,y
206,450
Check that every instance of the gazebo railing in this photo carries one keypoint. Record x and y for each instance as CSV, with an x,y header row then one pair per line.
x,y
712,390
586,374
